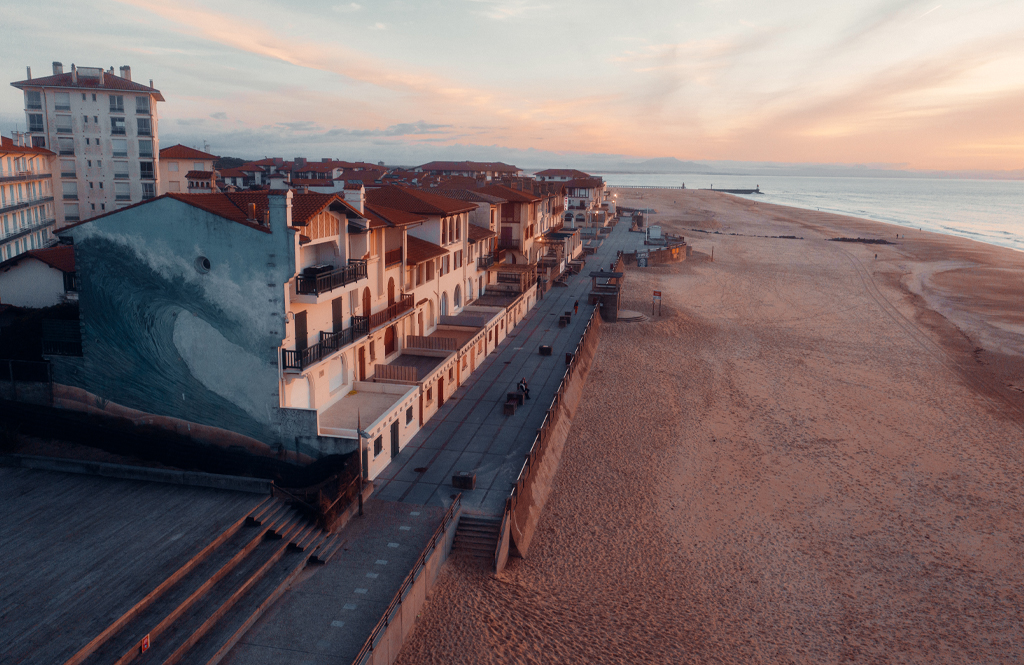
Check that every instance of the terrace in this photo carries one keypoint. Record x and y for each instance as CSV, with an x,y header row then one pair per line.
x,y
300,359
328,281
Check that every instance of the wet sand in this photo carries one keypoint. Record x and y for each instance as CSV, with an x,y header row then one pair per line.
x,y
814,456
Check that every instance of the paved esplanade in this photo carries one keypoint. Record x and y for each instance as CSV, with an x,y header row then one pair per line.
x,y
470,432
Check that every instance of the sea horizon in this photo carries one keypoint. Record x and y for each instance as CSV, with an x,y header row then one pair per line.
x,y
989,211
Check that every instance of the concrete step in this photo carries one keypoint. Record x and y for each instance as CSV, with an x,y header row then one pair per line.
x,y
191,627
237,621
172,598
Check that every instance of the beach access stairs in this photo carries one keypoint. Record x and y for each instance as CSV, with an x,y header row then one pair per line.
x,y
477,536
201,609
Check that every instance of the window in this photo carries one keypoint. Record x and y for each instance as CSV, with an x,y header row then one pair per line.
x,y
197,166
144,126
120,147
408,415
145,148
378,445
38,141
430,270
146,170
172,167
96,119
87,142
457,297
70,190
430,393
122,192
35,122
33,100
67,168
89,163
142,105
117,103
93,96
62,101
117,126
373,351
120,169
90,185
85,120
148,190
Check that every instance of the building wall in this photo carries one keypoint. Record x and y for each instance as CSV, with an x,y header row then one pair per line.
x,y
164,337
27,212
90,146
172,173
31,283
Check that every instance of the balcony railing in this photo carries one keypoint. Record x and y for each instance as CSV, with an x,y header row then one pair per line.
x,y
485,261
325,282
508,243
328,344
404,304
392,257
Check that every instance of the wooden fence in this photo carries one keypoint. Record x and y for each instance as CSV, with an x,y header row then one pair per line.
x,y
432,343
395,373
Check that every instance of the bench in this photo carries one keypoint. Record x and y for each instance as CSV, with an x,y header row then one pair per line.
x,y
510,407
517,397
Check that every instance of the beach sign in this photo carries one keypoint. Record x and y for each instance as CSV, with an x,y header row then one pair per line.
x,y
641,259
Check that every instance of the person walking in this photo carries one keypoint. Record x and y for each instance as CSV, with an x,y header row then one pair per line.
x,y
524,388
576,308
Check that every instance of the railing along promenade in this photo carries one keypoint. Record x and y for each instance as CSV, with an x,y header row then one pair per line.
x,y
643,187
540,442
403,591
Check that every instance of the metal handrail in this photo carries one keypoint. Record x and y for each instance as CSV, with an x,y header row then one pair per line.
x,y
413,575
326,282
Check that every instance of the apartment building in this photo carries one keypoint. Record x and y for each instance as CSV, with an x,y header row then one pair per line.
x,y
559,175
483,171
285,322
178,162
27,217
103,127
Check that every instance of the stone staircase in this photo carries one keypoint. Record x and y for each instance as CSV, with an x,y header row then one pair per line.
x,y
477,536
204,607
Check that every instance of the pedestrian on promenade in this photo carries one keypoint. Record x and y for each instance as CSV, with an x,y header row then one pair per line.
x,y
576,308
524,388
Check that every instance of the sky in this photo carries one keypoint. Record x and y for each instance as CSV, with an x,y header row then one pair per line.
x,y
921,84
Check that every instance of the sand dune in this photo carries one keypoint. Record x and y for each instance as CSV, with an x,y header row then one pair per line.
x,y
813,457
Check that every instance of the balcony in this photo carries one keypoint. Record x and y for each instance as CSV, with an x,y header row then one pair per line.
x,y
508,243
329,343
484,262
392,257
326,282
118,131
392,312
24,175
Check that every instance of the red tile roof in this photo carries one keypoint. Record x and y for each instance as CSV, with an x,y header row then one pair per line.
x,y
498,167
7,145
419,250
381,216
416,201
561,173
510,194
61,257
199,175
586,183
184,152
231,173
479,233
110,82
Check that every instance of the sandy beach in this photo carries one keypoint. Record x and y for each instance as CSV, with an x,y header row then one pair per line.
x,y
813,456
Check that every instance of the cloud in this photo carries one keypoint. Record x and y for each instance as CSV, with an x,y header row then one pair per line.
x,y
501,10
190,122
402,129
219,115
378,26
300,126
347,8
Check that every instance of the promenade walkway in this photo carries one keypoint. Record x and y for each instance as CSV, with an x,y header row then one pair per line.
x,y
470,432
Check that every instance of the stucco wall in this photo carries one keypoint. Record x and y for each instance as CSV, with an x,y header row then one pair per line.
x,y
31,283
164,337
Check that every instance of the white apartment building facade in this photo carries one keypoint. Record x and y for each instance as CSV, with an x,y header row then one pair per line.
x,y
27,217
104,129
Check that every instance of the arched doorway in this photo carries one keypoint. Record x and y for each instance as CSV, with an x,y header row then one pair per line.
x,y
389,340
366,301
444,304
430,313
362,363
469,291
420,320
457,297
391,291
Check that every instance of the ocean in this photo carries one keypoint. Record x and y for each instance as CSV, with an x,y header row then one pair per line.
x,y
989,211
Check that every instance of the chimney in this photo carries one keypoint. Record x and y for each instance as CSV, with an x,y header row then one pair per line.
x,y
355,198
126,72
150,83
305,189
280,209
58,67
252,211
74,73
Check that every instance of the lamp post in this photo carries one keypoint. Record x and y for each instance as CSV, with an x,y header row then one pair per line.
x,y
360,434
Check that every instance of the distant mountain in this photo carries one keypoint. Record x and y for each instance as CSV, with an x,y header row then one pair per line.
x,y
657,165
